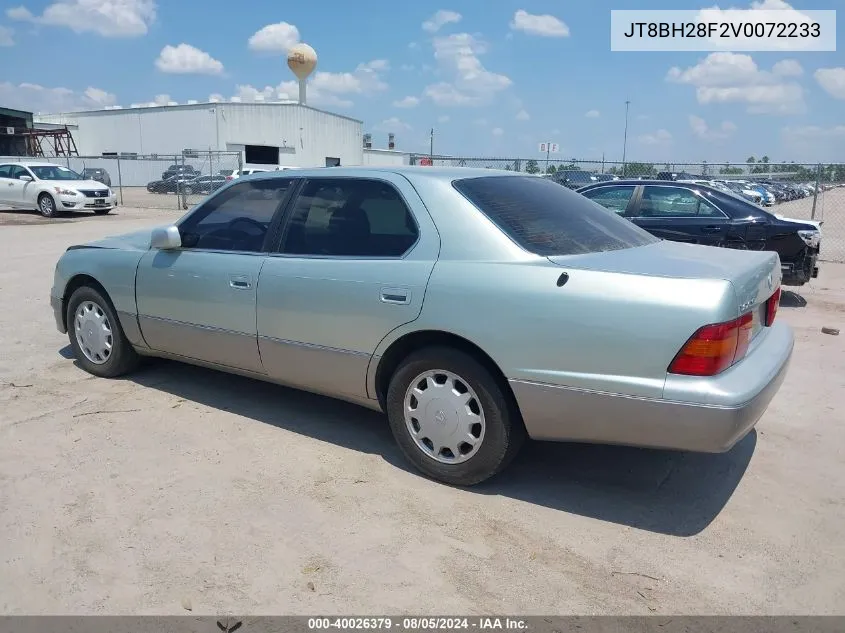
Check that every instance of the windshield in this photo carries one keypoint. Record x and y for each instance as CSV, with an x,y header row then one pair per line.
x,y
54,172
547,219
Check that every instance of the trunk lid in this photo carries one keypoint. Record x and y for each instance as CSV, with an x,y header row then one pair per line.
x,y
755,275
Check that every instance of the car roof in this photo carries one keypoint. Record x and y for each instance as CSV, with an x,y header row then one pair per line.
x,y
412,172
33,163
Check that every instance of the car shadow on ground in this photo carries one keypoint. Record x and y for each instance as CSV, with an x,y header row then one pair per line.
x,y
13,217
667,492
791,299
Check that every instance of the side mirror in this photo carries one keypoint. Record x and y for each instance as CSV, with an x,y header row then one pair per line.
x,y
25,178
165,238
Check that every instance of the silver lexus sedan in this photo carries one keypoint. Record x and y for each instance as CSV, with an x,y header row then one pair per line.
x,y
474,307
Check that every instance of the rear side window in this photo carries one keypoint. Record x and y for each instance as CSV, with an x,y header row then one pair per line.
x,y
547,219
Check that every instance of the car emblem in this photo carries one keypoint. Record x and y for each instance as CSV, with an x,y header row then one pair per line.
x,y
440,418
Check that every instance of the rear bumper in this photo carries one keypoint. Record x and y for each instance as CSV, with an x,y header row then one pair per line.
x,y
802,270
700,415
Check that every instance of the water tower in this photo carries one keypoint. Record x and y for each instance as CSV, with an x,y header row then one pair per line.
x,y
302,60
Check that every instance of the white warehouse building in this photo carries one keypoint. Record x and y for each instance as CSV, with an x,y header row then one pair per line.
x,y
282,133
265,133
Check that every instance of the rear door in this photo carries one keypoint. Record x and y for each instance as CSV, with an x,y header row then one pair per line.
x,y
352,265
680,214
616,198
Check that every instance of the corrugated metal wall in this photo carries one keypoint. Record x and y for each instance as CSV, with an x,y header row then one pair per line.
x,y
310,135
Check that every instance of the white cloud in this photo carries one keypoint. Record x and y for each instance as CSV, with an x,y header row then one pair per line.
x,y
458,56
441,19
813,132
109,18
162,100
324,88
6,38
38,99
736,78
832,81
443,119
216,97
593,114
813,143
703,131
543,25
274,38
187,60
497,131
788,68
407,102
660,137
522,115
392,125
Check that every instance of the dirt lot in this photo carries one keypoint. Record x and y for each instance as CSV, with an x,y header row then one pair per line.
x,y
179,483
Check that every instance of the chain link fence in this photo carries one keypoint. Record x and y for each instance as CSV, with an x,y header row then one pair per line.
x,y
800,191
159,181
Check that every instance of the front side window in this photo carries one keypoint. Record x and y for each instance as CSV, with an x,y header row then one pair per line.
x,y
614,198
674,202
547,219
54,172
17,171
346,217
238,219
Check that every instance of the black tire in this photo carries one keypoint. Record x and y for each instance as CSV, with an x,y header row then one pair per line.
x,y
504,431
102,211
47,206
123,357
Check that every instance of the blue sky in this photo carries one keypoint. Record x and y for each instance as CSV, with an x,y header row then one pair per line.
x,y
492,78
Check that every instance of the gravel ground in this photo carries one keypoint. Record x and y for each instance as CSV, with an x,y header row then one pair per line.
x,y
178,483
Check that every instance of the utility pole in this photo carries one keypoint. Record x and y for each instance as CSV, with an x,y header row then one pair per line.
x,y
431,145
625,141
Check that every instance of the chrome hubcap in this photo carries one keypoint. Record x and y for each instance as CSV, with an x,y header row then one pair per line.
x,y
46,205
443,414
93,332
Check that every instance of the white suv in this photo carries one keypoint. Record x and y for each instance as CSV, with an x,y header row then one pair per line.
x,y
50,189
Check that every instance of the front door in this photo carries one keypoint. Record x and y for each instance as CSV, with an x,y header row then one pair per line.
x,y
6,184
17,188
199,301
353,265
680,214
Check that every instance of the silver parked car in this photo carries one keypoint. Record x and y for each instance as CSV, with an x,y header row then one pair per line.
x,y
473,307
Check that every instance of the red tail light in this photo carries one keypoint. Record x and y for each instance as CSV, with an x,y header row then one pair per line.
x,y
772,307
714,348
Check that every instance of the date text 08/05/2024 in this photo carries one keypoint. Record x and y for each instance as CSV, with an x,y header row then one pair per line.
x,y
417,623
778,30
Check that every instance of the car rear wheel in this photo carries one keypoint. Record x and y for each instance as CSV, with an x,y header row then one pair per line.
x,y
451,418
46,205
97,340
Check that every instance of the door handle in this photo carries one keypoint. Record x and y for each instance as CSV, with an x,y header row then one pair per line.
x,y
711,229
401,296
239,283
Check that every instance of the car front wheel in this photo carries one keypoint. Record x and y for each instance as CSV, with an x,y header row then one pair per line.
x,y
97,340
46,205
451,418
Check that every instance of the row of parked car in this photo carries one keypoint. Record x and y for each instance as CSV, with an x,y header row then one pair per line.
x,y
765,192
187,180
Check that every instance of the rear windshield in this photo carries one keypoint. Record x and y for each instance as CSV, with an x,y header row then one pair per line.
x,y
547,219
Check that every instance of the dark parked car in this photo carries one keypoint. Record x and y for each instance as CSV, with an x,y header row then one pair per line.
x,y
97,173
699,214
573,178
173,184
205,184
178,170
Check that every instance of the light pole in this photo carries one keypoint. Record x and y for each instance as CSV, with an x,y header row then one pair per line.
x,y
625,141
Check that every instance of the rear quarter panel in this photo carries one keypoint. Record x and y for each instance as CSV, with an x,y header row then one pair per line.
x,y
602,331
112,268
